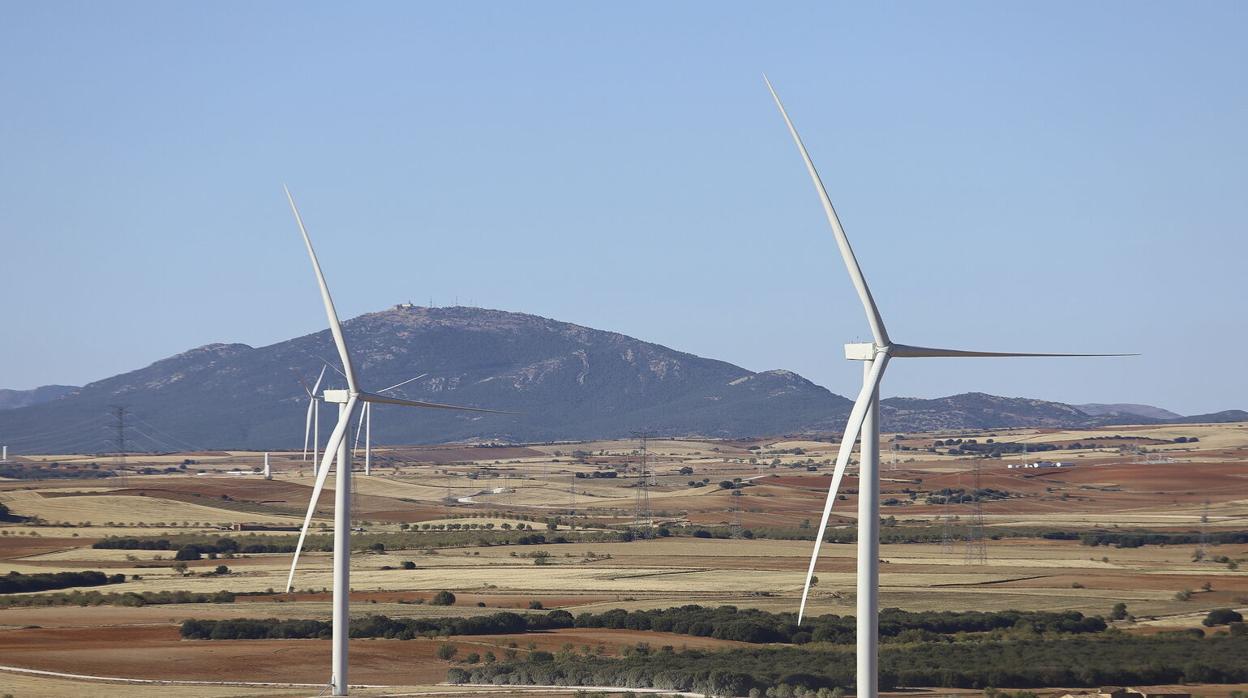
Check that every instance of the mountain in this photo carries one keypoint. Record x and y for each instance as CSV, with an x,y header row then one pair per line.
x,y
12,399
1126,409
1222,417
976,411
563,381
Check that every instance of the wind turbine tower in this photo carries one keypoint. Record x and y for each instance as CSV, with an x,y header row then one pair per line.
x,y
336,448
864,421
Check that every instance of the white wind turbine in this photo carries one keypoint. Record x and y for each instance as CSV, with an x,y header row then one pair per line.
x,y
337,445
312,423
864,421
366,425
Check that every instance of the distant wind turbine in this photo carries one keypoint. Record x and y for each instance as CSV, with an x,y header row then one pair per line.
x,y
337,445
366,425
864,420
312,423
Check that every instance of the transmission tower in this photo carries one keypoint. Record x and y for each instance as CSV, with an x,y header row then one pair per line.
x,y
642,508
946,523
976,549
1202,549
736,529
119,413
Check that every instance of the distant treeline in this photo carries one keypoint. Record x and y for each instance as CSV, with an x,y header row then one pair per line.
x,y
16,582
724,622
41,472
127,598
749,625
1128,539
1111,659
375,626
253,543
204,544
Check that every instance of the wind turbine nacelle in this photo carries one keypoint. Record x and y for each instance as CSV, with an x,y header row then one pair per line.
x,y
862,351
336,395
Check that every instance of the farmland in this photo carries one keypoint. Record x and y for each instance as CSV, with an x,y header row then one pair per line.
x,y
564,526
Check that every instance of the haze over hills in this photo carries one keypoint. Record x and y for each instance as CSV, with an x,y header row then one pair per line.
x,y
564,381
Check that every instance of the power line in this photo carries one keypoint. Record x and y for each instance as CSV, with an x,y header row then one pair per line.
x,y
119,441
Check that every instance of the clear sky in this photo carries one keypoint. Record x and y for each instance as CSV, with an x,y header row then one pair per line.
x,y
1038,176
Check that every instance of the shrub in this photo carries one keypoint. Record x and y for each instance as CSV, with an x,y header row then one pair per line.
x,y
443,598
1222,616
447,651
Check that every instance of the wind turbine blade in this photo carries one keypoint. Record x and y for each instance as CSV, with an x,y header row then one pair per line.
x,y
307,426
331,366
319,378
399,385
359,427
852,427
331,450
335,327
904,350
842,242
306,388
373,397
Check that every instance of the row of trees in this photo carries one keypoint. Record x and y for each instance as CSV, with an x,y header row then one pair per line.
x,y
1136,539
375,626
16,582
724,622
1113,659
128,598
751,625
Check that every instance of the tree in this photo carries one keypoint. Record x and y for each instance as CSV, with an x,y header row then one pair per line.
x,y
189,552
447,651
1119,611
1222,616
409,565
222,570
442,598
726,485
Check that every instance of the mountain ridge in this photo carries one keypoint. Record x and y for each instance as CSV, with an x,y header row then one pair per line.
x,y
564,381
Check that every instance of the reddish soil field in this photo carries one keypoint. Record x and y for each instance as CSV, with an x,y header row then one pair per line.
x,y
158,652
12,547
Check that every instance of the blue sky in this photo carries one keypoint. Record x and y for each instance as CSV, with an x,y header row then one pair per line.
x,y
1044,176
